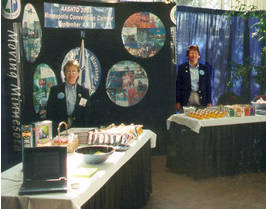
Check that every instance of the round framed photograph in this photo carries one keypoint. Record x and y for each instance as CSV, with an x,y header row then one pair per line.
x,y
126,83
143,34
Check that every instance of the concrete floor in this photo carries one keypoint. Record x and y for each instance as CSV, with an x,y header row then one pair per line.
x,y
174,191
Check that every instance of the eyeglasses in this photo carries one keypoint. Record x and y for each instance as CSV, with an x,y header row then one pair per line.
x,y
71,72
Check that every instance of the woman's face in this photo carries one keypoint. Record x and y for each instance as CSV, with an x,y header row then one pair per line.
x,y
71,74
193,56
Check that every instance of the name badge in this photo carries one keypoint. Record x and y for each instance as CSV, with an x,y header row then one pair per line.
x,y
83,102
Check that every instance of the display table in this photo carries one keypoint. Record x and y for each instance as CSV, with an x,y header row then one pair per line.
x,y
123,181
216,147
195,124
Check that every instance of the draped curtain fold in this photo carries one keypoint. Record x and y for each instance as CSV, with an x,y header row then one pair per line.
x,y
221,42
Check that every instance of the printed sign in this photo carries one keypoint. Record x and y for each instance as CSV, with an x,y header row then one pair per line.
x,y
75,16
12,73
11,9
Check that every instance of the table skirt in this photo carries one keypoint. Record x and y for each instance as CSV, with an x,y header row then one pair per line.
x,y
217,151
129,188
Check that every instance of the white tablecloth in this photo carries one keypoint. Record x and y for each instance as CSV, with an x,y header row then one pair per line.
x,y
195,124
80,190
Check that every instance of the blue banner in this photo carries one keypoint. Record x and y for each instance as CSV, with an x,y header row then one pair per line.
x,y
74,16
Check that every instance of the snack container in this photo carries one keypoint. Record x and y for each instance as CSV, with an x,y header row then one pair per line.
x,y
189,109
247,110
231,112
252,110
238,111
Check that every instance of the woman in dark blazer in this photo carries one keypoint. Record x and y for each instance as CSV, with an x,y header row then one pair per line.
x,y
193,85
69,101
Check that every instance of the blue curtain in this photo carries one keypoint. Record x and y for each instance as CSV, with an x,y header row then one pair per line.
x,y
221,43
255,48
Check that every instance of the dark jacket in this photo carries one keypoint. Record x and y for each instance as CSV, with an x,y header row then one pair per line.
x,y
183,84
57,109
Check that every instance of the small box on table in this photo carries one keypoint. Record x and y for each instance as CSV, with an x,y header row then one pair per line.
x,y
27,138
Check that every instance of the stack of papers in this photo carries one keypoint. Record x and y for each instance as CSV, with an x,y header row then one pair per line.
x,y
84,172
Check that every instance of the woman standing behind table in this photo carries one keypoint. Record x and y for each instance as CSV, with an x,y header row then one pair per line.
x,y
193,85
69,101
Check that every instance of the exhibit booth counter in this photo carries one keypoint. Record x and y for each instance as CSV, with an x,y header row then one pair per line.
x,y
123,180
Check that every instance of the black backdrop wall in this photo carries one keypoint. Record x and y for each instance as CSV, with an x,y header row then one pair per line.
x,y
152,111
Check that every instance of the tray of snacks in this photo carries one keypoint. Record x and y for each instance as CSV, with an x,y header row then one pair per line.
x,y
216,112
116,135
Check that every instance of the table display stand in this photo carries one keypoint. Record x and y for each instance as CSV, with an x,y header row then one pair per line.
x,y
217,151
122,181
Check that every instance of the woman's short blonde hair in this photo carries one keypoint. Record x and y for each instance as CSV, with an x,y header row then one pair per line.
x,y
72,62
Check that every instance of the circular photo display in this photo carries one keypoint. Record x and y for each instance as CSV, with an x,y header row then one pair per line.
x,y
173,15
43,80
143,34
31,33
90,74
126,83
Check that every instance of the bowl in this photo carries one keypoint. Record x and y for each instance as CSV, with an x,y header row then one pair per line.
x,y
261,106
95,154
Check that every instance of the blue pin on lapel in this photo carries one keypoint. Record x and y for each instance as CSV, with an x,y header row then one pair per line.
x,y
60,95
201,72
